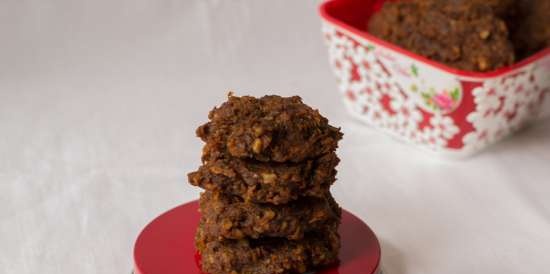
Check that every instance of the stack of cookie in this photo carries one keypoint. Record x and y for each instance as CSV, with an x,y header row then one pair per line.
x,y
268,165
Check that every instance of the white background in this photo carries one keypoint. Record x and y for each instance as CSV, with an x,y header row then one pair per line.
x,y
98,105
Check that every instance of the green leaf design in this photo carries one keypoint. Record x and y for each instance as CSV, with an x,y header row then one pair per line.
x,y
414,88
414,70
370,47
455,94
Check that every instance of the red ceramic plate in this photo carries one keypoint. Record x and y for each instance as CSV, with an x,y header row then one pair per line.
x,y
166,245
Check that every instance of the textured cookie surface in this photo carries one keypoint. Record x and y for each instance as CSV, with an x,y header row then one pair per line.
x,y
270,128
276,183
228,217
467,35
268,256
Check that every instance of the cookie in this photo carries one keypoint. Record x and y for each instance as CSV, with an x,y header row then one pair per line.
x,y
269,129
228,217
276,183
466,35
268,255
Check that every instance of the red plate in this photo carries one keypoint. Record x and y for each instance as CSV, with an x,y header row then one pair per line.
x,y
166,245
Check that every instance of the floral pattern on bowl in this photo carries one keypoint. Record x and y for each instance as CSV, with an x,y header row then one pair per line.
x,y
434,107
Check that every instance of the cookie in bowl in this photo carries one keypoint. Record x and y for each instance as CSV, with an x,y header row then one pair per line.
x,y
462,34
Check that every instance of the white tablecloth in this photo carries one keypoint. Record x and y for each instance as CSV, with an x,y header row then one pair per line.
x,y
99,101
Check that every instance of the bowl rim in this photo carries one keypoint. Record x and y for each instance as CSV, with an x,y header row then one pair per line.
x,y
324,11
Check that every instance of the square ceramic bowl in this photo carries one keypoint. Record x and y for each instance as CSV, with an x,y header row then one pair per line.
x,y
423,102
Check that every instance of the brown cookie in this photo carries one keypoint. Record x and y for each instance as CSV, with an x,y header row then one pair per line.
x,y
276,183
228,217
268,255
270,128
467,35
502,8
532,31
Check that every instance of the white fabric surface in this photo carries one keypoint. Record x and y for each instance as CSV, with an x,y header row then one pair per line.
x,y
98,105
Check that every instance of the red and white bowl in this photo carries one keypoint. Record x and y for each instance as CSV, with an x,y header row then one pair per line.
x,y
424,102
